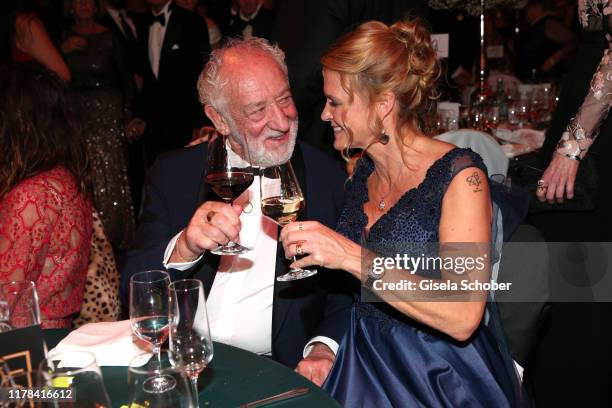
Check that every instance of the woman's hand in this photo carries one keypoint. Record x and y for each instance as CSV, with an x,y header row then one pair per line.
x,y
202,135
558,180
73,43
322,246
135,129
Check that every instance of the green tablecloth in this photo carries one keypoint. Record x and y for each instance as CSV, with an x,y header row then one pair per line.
x,y
234,377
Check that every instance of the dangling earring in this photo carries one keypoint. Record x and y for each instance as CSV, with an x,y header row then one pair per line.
x,y
384,137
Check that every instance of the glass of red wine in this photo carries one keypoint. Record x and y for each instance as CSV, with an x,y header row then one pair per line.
x,y
228,174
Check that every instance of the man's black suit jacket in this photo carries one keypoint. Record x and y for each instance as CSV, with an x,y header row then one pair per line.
x,y
317,306
128,41
169,102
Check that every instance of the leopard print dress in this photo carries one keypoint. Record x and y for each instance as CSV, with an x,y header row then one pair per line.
x,y
101,297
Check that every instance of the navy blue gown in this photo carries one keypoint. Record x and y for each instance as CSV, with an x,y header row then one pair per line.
x,y
387,359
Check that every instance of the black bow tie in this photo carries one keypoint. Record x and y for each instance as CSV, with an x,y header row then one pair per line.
x,y
161,19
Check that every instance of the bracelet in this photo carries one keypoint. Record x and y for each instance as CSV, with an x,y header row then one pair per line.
x,y
577,147
373,276
178,251
569,149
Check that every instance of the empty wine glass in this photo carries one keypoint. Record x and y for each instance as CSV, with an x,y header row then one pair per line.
x,y
18,305
77,371
281,200
150,316
139,393
190,339
228,174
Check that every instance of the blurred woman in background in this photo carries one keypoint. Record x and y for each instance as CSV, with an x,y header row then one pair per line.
x,y
45,210
105,87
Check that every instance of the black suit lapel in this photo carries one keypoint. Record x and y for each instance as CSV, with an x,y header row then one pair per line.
x,y
170,37
282,303
143,39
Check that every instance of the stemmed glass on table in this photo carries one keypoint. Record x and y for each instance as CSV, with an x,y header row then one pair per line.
x,y
281,200
140,374
150,319
190,339
228,174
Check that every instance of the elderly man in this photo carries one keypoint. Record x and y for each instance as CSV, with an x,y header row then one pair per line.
x,y
245,91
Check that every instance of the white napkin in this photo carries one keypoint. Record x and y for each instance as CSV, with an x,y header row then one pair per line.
x,y
110,342
520,141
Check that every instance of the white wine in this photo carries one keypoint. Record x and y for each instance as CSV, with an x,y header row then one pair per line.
x,y
282,210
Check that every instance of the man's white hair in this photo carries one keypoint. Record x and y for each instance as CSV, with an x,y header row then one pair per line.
x,y
211,83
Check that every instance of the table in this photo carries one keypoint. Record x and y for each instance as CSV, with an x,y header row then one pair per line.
x,y
234,377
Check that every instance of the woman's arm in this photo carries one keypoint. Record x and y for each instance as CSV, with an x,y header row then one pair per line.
x,y
32,38
466,218
560,175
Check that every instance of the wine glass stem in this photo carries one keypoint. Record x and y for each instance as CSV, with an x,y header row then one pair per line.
x,y
194,387
294,261
157,352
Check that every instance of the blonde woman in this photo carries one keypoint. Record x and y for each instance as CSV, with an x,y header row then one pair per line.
x,y
378,81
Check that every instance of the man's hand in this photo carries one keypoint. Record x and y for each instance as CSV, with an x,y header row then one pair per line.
x,y
317,365
213,224
202,135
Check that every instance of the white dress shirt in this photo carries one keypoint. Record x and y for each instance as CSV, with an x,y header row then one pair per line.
x,y
116,16
157,32
241,298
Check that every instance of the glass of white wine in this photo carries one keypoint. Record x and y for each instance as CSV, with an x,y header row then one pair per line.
x,y
281,201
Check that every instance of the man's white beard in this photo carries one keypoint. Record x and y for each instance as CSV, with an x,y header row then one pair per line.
x,y
260,155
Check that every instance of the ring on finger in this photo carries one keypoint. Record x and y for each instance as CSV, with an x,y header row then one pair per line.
x,y
298,249
210,215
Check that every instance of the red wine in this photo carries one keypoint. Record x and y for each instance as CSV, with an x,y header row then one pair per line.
x,y
229,185
282,210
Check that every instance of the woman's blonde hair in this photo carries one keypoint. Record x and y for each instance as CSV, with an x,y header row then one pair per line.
x,y
377,58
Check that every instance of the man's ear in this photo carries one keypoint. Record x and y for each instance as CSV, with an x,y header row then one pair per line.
x,y
217,119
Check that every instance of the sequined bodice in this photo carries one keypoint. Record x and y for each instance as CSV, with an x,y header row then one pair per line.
x,y
416,216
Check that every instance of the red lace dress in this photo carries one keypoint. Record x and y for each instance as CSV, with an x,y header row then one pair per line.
x,y
45,237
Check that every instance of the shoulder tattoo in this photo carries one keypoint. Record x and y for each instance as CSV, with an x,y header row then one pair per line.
x,y
475,182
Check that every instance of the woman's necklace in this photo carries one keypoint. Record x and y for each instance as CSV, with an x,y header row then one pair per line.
x,y
382,203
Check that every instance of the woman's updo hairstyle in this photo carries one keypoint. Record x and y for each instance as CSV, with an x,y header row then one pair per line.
x,y
376,58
